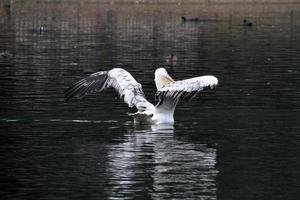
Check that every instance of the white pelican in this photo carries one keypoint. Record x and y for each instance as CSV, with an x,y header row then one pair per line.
x,y
169,92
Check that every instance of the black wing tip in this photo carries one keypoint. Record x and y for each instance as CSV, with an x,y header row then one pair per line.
x,y
70,91
67,94
80,89
159,97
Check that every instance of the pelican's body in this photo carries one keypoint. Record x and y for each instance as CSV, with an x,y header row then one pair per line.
x,y
169,92
154,115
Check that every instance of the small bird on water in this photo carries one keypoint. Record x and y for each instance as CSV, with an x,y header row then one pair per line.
x,y
247,23
5,54
171,60
184,19
40,29
169,92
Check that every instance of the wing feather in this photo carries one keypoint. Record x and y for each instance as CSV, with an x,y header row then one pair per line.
x,y
185,90
122,81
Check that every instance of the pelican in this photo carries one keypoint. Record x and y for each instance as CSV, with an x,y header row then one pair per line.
x,y
169,92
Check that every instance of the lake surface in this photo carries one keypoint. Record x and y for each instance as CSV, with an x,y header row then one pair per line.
x,y
239,141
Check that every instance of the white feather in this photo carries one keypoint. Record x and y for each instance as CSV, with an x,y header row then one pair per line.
x,y
192,84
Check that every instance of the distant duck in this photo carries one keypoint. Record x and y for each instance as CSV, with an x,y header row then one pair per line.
x,y
5,54
171,60
184,19
40,29
247,23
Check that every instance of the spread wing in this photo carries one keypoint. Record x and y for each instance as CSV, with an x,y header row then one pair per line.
x,y
187,89
119,79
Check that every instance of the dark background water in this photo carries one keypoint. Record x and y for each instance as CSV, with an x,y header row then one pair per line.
x,y
240,141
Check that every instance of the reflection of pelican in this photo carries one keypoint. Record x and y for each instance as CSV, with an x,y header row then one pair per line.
x,y
154,128
156,163
169,92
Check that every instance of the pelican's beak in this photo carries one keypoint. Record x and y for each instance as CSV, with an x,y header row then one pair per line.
x,y
167,79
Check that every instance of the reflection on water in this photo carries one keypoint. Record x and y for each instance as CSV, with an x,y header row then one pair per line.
x,y
239,141
162,165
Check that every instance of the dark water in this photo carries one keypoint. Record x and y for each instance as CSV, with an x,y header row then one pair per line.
x,y
240,141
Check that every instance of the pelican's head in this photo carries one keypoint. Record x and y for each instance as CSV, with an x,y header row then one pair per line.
x,y
162,78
